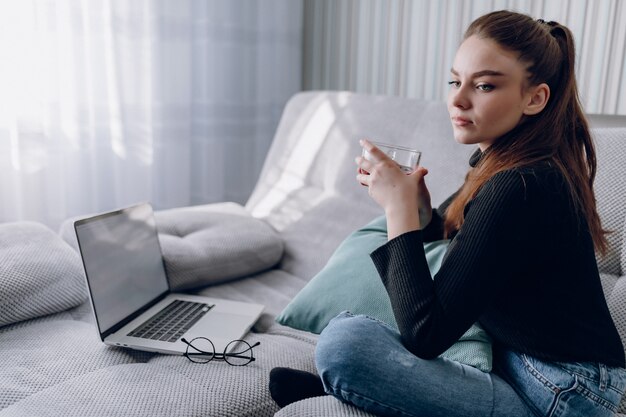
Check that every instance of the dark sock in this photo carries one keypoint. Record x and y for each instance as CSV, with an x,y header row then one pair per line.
x,y
290,385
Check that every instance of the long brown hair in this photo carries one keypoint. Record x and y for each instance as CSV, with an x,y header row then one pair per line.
x,y
559,134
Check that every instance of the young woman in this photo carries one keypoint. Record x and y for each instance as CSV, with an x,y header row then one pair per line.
x,y
521,261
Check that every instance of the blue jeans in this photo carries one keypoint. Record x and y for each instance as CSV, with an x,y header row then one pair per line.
x,y
363,362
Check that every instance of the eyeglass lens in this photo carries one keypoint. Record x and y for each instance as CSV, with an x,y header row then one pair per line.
x,y
200,350
238,353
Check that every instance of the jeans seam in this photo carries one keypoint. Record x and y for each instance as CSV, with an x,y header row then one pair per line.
x,y
607,386
545,381
587,378
558,397
592,396
386,325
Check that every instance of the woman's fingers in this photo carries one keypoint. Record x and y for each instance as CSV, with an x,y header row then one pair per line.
x,y
366,165
363,164
363,179
420,172
376,155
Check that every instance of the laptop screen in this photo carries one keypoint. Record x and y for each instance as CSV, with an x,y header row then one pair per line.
x,y
123,263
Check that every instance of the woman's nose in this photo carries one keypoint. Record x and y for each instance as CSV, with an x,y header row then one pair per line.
x,y
457,97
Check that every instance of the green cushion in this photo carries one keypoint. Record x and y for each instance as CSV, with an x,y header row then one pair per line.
x,y
349,281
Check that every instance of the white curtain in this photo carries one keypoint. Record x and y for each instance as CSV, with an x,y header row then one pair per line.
x,y
105,103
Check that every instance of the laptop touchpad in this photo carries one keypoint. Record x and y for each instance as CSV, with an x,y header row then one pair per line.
x,y
223,325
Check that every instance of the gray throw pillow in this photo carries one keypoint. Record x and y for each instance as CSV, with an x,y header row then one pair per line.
x,y
214,243
39,273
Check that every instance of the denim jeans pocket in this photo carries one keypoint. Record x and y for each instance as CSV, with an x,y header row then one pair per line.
x,y
552,377
575,389
599,383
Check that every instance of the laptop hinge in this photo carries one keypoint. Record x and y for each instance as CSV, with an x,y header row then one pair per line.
x,y
133,316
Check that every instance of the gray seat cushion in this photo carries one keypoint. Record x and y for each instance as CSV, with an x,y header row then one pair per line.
x,y
57,366
321,407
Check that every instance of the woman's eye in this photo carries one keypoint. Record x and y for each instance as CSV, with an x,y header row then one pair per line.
x,y
485,87
454,84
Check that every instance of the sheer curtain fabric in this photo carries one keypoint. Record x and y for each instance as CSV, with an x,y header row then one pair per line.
x,y
104,103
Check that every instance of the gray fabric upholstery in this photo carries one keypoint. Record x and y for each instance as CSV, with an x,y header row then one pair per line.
x,y
320,407
274,289
208,244
617,305
59,368
214,243
308,196
610,189
39,273
623,262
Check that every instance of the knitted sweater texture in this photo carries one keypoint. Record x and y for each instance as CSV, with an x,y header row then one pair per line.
x,y
522,265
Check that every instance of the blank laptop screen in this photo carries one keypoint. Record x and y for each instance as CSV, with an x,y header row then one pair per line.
x,y
123,262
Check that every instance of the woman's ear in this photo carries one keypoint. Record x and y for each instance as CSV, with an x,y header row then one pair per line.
x,y
538,99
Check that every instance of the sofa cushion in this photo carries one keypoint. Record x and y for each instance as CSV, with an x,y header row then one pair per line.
x,y
349,281
615,292
54,350
214,243
56,366
610,189
623,262
208,244
326,405
39,273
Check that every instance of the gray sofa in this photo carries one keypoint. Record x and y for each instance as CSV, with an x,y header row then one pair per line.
x,y
305,203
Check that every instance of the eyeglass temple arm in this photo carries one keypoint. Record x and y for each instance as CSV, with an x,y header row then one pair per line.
x,y
234,355
238,355
198,353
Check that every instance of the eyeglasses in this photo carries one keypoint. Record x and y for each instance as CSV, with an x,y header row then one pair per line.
x,y
236,353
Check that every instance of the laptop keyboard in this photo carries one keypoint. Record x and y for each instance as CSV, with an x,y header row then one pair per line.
x,y
172,322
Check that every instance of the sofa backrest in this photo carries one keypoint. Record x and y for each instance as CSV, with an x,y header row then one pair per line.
x,y
317,140
308,190
610,190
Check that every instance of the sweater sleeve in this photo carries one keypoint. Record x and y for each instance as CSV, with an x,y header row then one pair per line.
x,y
434,230
433,314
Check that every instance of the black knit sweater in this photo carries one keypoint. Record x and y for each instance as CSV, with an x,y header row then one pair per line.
x,y
522,265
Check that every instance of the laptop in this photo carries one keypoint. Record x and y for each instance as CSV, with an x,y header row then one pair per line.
x,y
130,294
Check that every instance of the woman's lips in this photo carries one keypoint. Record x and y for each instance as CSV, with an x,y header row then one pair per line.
x,y
460,121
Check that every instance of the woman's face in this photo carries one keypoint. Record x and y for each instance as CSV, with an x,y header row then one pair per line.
x,y
487,96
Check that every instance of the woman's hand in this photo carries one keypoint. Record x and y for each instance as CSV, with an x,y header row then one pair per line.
x,y
404,197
